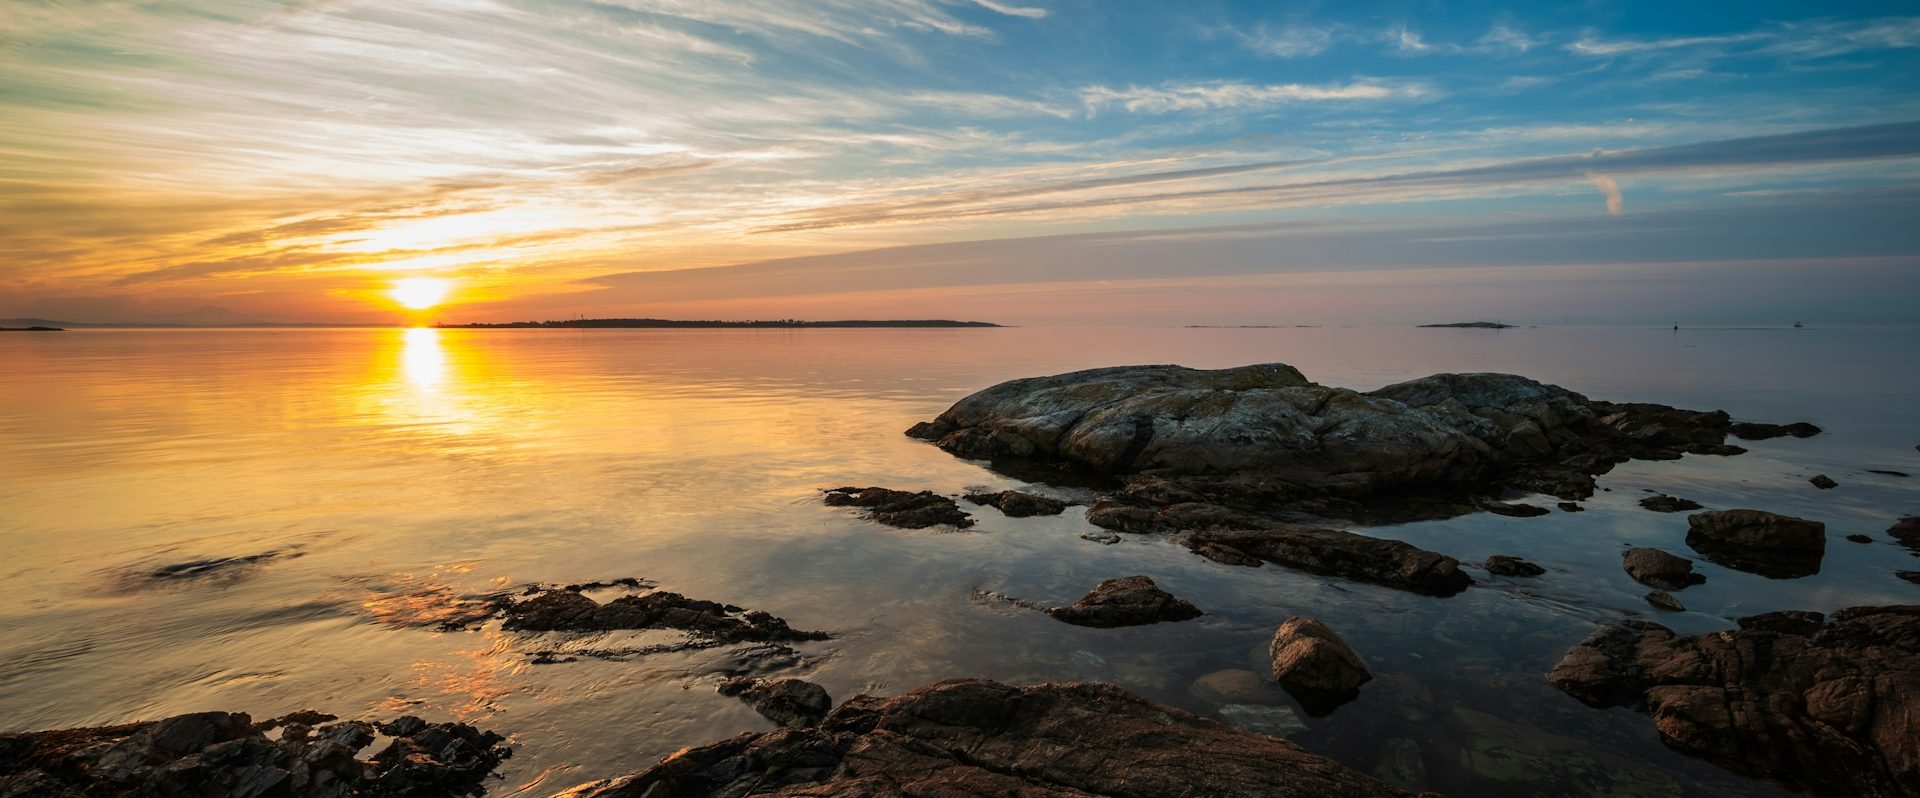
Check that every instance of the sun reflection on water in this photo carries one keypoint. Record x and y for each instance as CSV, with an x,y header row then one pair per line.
x,y
422,358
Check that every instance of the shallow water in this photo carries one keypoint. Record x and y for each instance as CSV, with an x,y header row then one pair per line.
x,y
380,469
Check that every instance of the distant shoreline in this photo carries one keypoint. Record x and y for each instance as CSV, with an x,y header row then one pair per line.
x,y
782,324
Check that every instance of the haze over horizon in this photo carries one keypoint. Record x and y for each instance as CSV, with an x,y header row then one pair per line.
x,y
1052,161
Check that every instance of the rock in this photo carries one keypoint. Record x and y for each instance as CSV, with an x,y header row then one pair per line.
x,y
1662,503
901,508
1401,764
1105,538
1906,532
1664,600
1315,665
1227,555
1533,761
1515,510
1860,538
225,755
216,566
1832,707
971,737
1234,686
1823,482
1503,565
1263,438
1273,720
1656,568
1019,505
1887,472
1777,546
1571,507
1749,431
1379,561
1910,576
559,610
792,703
1125,601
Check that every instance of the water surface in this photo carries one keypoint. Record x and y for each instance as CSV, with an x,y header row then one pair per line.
x,y
377,469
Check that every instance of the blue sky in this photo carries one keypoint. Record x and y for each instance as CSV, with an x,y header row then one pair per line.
x,y
1055,160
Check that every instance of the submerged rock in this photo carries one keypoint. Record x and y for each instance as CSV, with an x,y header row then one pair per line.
x,y
792,703
226,755
1571,507
1125,601
1664,600
1907,532
1860,538
899,508
1315,665
1823,482
1332,552
1503,565
1750,431
1513,510
1832,707
1662,503
1756,541
972,737
1266,435
1019,505
1527,760
1656,568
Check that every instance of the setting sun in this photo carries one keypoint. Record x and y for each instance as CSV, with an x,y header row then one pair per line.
x,y
419,293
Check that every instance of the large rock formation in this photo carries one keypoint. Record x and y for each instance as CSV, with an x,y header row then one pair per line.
x,y
1125,601
1315,665
969,738
1264,437
1831,706
227,755
1777,546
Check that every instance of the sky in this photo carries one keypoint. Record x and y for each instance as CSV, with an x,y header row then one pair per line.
x,y
1020,161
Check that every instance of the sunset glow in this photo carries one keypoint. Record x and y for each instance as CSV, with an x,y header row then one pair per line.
x,y
419,293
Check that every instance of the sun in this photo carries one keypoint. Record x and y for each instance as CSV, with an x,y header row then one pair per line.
x,y
419,293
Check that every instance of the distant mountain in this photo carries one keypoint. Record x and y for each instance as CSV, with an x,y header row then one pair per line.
x,y
680,324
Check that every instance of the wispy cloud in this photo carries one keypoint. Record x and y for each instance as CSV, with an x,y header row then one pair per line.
x,y
1287,41
1227,94
1810,39
1610,189
1012,10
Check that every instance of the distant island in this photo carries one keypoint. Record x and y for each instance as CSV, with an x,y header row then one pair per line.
x,y
699,324
1474,325
31,329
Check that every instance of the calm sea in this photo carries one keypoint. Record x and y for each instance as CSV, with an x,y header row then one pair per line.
x,y
378,470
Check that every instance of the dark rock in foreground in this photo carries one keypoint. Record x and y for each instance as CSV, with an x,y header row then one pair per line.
x,y
789,702
226,755
1750,431
1019,505
1756,541
1125,601
1656,568
1662,503
560,610
1315,665
901,508
1503,565
971,738
1833,707
1331,552
1907,532
1264,438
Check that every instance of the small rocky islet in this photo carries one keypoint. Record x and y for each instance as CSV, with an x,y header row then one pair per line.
x,y
1245,467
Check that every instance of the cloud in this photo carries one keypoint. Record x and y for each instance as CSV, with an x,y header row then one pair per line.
x,y
1292,41
1608,187
1168,98
1012,11
1793,40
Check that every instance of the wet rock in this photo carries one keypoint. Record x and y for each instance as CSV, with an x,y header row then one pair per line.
x,y
1273,720
1656,568
1860,538
1315,665
1513,510
226,755
1823,482
1662,503
1750,431
1831,707
1503,565
1104,538
1910,576
899,508
971,737
1019,505
792,703
1263,438
560,610
1906,532
1379,561
215,566
1530,760
1571,507
1664,600
1227,555
1234,686
1125,601
1401,764
1756,541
